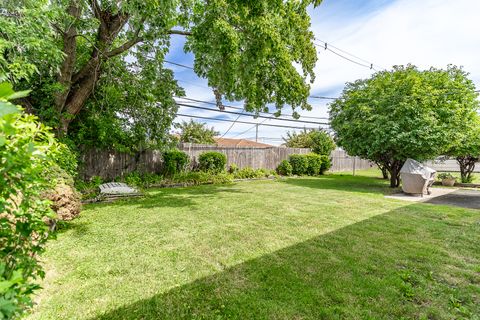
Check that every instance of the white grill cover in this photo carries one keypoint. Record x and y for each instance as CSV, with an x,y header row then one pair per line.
x,y
414,167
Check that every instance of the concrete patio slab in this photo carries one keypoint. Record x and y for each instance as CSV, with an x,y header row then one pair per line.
x,y
448,196
435,192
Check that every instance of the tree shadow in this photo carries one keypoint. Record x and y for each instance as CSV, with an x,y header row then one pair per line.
x,y
347,183
172,197
408,263
459,198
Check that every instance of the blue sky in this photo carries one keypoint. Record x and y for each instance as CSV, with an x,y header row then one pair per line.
x,y
386,33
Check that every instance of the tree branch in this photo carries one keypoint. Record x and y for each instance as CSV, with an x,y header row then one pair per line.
x,y
124,47
180,32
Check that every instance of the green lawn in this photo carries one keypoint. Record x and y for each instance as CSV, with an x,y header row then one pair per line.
x,y
308,248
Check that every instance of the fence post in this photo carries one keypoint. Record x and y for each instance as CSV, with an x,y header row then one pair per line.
x,y
354,163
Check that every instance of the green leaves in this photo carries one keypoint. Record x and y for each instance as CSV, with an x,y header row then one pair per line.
x,y
319,141
404,113
196,132
247,50
25,153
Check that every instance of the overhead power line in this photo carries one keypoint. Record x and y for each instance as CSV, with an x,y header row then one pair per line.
x,y
251,128
178,64
191,68
239,108
230,128
239,113
245,122
328,46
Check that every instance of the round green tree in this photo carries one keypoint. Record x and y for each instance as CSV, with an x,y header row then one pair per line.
x,y
404,113
196,132
319,141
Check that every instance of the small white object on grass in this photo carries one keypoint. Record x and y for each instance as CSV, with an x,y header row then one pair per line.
x,y
117,188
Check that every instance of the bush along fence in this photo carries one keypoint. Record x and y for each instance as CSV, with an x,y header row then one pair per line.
x,y
112,164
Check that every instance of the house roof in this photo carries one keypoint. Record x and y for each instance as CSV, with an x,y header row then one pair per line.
x,y
227,142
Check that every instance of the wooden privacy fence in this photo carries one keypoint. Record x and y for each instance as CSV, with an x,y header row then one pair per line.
x,y
341,161
112,164
253,157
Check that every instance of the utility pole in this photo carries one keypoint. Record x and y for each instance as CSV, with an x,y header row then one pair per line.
x,y
256,133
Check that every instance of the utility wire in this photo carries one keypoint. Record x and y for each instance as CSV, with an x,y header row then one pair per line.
x,y
325,44
239,108
243,132
230,128
245,122
178,64
238,113
360,64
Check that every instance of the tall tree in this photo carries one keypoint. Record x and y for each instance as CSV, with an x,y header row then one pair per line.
x,y
404,113
248,50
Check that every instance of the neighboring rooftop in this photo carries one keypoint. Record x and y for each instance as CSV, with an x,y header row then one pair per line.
x,y
227,142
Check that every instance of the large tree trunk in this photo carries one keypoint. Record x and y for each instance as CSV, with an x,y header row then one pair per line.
x,y
78,86
467,165
393,168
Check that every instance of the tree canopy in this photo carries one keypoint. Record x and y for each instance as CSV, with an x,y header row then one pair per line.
x,y
196,132
404,113
76,54
319,141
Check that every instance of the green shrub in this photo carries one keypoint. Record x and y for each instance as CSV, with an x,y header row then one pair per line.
x,y
233,168
446,175
66,159
299,164
89,189
314,164
140,180
174,161
284,168
326,164
212,161
200,177
26,152
248,173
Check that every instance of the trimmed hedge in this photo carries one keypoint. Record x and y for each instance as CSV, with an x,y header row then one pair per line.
x,y
175,161
284,168
212,161
299,163
310,164
314,164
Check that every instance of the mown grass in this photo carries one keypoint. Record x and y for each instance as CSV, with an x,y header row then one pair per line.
x,y
307,248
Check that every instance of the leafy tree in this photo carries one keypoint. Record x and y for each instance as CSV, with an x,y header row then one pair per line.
x,y
467,151
257,51
403,113
196,132
318,141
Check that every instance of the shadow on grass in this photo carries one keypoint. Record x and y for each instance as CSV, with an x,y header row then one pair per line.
x,y
396,265
347,183
172,197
